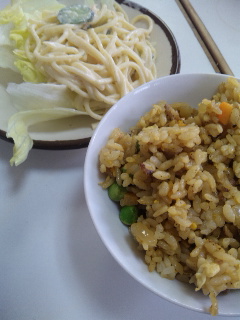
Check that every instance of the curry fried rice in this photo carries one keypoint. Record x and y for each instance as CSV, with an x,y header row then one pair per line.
x,y
182,165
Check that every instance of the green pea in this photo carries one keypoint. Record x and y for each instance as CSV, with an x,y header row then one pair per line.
x,y
128,215
116,192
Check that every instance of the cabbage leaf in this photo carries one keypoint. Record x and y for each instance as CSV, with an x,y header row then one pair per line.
x,y
29,96
19,123
35,103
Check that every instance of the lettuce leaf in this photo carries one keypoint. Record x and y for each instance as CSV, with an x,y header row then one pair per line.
x,y
4,34
12,13
6,47
8,62
34,8
20,11
16,17
35,103
19,123
29,96
29,72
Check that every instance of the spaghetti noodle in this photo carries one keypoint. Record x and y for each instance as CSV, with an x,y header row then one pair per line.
x,y
99,61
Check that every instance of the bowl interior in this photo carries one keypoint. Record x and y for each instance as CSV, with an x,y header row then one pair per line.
x,y
182,87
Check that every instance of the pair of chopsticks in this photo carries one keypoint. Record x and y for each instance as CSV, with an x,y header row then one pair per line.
x,y
209,46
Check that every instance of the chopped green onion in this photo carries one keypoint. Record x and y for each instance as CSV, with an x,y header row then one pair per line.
x,y
137,147
123,170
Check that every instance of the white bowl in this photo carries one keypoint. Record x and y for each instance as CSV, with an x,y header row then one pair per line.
x,y
190,88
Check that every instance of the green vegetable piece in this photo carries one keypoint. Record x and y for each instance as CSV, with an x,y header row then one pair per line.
x,y
123,170
116,192
128,215
75,14
137,147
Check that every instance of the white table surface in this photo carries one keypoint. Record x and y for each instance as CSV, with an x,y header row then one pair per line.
x,y
53,266
221,18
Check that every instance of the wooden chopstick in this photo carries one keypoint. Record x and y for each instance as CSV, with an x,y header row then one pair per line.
x,y
206,39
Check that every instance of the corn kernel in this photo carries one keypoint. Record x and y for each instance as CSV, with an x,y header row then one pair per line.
x,y
193,226
130,159
181,123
